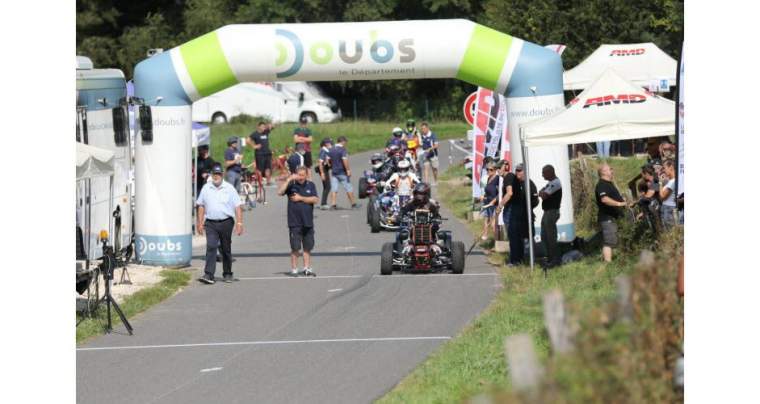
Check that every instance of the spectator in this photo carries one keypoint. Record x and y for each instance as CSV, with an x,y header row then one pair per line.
x,y
324,169
302,196
232,162
520,218
506,192
203,170
262,152
552,198
668,195
341,173
429,153
609,201
297,159
218,203
489,199
302,135
603,149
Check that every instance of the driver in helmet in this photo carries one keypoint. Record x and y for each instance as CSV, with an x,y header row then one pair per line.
x,y
402,181
397,139
421,200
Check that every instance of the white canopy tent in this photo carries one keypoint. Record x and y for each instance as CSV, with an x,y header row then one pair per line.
x,y
610,109
640,63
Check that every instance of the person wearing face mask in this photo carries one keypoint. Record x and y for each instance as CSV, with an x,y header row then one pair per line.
x,y
402,181
218,203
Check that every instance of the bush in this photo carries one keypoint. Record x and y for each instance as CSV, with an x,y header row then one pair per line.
x,y
246,119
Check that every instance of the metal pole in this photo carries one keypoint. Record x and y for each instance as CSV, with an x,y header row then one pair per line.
x,y
355,111
110,210
526,187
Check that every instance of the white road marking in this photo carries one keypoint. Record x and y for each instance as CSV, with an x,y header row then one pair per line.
x,y
292,342
211,369
334,290
345,216
426,276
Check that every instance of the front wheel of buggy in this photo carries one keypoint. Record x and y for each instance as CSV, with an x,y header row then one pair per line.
x,y
457,257
386,259
362,188
374,221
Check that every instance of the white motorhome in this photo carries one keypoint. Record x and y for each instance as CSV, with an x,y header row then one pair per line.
x,y
280,101
99,92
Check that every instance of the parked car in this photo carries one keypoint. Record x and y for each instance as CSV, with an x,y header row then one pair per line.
x,y
280,102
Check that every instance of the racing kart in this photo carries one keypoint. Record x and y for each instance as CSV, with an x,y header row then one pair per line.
x,y
383,212
421,247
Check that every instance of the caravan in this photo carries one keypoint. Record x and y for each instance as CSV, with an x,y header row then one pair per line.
x,y
101,96
280,102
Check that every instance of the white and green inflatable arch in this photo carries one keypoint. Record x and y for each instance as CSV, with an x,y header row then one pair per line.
x,y
527,74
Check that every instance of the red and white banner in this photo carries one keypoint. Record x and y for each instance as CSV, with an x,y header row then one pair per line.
x,y
490,133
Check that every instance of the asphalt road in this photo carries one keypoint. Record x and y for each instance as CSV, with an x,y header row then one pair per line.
x,y
346,336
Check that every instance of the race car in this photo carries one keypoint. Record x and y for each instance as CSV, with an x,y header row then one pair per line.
x,y
421,247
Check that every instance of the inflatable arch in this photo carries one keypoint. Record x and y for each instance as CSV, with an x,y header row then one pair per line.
x,y
527,74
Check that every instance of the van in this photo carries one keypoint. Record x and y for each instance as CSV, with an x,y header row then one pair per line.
x,y
279,101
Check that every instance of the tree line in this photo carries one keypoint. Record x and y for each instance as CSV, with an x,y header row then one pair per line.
x,y
118,34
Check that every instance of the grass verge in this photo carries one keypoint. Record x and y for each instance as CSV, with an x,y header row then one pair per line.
x,y
613,363
362,135
173,280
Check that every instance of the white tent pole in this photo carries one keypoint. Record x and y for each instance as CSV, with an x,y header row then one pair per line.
x,y
526,187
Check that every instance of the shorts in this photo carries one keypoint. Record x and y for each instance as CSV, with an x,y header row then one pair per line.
x,y
263,162
433,160
307,159
341,179
489,211
609,233
301,238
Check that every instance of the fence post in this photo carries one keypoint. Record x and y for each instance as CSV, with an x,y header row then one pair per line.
x,y
522,362
557,322
624,304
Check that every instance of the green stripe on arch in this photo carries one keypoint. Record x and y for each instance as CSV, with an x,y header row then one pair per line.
x,y
207,65
485,57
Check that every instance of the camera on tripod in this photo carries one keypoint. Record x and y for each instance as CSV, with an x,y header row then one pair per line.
x,y
106,267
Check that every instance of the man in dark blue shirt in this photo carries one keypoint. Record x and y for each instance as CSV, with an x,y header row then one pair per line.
x,y
262,152
341,173
232,163
302,135
296,159
302,196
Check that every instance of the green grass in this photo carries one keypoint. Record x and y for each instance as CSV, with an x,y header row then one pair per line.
x,y
136,303
362,135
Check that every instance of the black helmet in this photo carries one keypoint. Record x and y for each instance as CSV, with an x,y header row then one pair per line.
x,y
410,123
394,149
421,193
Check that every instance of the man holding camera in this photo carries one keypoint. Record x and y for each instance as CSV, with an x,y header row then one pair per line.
x,y
218,204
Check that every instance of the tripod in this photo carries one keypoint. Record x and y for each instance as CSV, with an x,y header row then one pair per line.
x,y
106,267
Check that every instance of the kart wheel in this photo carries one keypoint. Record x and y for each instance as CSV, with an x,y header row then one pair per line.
x,y
370,208
457,257
362,188
374,221
386,259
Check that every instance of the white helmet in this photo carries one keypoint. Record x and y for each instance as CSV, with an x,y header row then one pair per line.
x,y
403,167
397,131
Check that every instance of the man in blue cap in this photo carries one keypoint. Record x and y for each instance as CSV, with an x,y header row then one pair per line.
x,y
218,204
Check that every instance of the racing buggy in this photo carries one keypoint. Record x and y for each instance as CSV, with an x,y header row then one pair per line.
x,y
368,184
384,212
421,247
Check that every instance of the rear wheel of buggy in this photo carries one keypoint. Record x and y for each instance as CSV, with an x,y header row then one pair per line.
x,y
457,257
386,259
362,188
374,221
